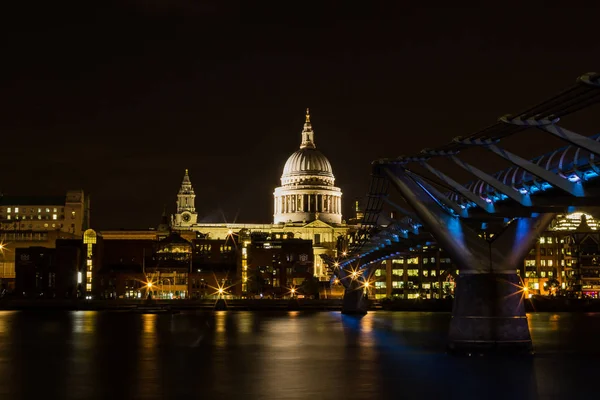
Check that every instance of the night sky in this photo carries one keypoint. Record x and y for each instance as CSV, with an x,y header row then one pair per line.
x,y
120,99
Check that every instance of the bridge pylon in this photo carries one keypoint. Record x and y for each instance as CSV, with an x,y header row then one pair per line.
x,y
488,312
354,302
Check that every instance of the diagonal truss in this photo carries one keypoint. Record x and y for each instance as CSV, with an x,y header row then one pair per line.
x,y
564,170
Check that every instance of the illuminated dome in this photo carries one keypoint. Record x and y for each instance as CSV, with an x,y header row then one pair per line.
x,y
307,192
305,164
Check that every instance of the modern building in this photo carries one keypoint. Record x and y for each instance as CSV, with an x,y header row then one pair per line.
x,y
307,206
27,221
565,258
423,273
68,214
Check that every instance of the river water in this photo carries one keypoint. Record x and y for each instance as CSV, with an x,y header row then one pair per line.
x,y
287,355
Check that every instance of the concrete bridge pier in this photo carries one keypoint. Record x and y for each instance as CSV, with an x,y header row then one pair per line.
x,y
488,313
354,302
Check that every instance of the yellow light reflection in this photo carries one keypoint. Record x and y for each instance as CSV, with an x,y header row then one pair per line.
x,y
84,321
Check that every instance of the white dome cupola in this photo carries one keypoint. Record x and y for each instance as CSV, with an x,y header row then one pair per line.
x,y
307,189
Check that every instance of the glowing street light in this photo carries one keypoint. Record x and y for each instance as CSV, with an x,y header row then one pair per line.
x,y
220,291
149,285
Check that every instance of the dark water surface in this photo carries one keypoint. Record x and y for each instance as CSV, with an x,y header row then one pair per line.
x,y
292,355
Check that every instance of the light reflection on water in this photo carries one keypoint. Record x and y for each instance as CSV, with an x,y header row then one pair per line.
x,y
295,355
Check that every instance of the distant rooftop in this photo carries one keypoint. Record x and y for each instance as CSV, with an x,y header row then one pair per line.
x,y
32,200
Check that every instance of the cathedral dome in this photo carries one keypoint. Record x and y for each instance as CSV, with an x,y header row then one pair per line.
x,y
307,165
307,190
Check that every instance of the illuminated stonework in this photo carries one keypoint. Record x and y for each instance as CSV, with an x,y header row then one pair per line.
x,y
186,210
307,190
307,206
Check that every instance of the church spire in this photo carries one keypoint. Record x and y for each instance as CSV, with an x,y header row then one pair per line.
x,y
186,178
308,135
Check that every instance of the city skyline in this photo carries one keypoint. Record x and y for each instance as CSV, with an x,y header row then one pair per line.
x,y
121,103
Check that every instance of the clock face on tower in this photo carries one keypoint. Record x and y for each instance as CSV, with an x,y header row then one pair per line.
x,y
186,217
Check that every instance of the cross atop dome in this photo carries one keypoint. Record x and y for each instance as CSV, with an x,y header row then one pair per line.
x,y
308,135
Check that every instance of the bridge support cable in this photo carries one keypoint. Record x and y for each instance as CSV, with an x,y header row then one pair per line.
x,y
439,197
460,189
509,191
551,126
488,311
573,188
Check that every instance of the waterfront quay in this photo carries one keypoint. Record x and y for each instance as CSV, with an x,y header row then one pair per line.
x,y
537,304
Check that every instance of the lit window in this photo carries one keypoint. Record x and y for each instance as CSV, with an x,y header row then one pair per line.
x,y
16,209
8,216
542,240
39,217
54,225
55,210
45,225
543,274
543,263
47,210
39,210
8,209
549,240
54,216
549,263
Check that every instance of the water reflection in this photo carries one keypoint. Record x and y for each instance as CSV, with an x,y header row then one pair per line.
x,y
148,377
296,355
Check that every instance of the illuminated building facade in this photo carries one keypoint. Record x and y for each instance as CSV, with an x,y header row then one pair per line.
x,y
165,265
278,264
307,206
186,210
307,190
27,221
565,258
424,273
90,242
69,213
